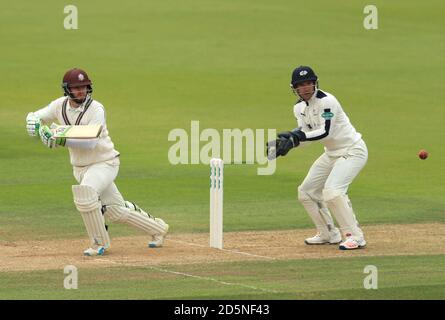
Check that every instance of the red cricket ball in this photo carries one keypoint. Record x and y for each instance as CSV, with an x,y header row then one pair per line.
x,y
423,154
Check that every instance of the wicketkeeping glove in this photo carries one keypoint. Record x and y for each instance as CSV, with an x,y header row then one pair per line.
x,y
272,149
285,142
32,125
278,147
48,138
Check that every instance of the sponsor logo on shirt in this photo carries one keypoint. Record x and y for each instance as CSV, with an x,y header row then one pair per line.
x,y
327,115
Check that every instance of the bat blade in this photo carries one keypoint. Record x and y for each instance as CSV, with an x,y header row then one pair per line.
x,y
77,132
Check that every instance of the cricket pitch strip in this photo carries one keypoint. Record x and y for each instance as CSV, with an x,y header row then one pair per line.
x,y
383,240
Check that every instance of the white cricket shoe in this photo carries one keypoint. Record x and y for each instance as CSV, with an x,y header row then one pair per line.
x,y
90,252
333,237
352,243
158,239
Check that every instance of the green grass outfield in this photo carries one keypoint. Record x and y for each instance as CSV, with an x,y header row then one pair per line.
x,y
405,277
157,66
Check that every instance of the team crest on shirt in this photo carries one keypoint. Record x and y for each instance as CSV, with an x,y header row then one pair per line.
x,y
327,115
80,77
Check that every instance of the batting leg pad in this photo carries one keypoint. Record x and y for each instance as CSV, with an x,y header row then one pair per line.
x,y
340,206
87,202
134,216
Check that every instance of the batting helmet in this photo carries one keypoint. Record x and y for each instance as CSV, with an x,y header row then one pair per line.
x,y
76,78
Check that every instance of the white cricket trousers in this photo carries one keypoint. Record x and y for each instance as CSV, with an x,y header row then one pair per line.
x,y
331,176
100,176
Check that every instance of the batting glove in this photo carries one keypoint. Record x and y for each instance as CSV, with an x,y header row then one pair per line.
x,y
48,138
32,125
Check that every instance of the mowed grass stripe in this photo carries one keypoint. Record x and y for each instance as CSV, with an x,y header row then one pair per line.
x,y
339,278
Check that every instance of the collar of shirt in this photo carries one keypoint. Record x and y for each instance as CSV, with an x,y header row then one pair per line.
x,y
312,106
313,98
76,110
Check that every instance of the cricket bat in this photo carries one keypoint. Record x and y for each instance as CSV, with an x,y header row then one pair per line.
x,y
76,132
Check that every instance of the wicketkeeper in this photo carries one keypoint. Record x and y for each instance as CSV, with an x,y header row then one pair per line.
x,y
95,164
320,117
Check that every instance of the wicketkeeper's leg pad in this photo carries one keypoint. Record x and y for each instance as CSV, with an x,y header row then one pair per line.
x,y
87,202
318,213
341,208
134,216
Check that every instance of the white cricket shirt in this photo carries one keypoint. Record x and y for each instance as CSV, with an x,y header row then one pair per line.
x,y
90,112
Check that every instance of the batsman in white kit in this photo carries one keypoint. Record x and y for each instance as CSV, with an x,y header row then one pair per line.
x,y
95,163
323,192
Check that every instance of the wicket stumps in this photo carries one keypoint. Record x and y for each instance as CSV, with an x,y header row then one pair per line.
x,y
216,203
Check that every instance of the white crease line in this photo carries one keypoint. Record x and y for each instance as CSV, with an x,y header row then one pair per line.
x,y
190,275
227,250
248,254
